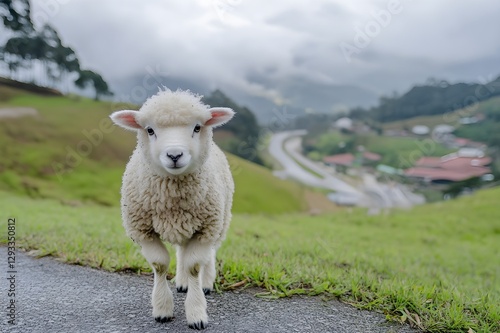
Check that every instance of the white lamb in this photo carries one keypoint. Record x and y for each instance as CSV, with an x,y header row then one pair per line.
x,y
177,187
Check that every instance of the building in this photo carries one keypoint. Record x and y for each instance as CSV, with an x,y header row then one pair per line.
x,y
343,161
344,123
454,167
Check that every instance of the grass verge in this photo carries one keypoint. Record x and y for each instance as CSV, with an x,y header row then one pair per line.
x,y
435,266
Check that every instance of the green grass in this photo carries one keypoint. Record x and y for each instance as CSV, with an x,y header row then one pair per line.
x,y
402,152
437,265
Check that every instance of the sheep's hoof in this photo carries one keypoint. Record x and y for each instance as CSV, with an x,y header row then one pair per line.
x,y
201,325
207,291
163,319
182,289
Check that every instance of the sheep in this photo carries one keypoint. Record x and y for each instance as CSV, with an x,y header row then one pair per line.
x,y
177,187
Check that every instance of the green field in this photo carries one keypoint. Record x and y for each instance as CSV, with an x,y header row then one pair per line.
x,y
402,153
435,265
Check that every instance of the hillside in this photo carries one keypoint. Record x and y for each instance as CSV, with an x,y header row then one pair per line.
x,y
437,98
69,150
9,87
486,130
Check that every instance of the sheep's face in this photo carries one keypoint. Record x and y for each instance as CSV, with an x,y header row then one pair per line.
x,y
176,142
175,149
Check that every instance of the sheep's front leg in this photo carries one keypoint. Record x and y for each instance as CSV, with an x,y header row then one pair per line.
x,y
181,276
195,255
162,299
207,273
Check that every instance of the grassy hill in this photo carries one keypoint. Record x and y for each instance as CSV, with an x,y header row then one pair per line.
x,y
71,151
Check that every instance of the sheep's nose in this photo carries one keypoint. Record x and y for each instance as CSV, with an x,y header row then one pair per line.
x,y
174,157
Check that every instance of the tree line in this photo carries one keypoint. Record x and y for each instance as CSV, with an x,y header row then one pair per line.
x,y
436,97
38,55
244,127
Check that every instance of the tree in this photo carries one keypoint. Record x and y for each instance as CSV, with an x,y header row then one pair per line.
x,y
30,49
16,15
91,79
243,126
60,60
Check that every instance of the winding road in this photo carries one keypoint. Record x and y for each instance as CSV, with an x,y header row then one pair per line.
x,y
285,147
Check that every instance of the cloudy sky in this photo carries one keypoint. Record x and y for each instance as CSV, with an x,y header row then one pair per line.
x,y
382,45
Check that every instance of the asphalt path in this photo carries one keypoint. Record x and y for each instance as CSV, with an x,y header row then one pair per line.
x,y
294,170
291,168
54,297
294,146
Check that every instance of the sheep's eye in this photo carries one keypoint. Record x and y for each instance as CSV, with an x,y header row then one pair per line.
x,y
150,131
197,128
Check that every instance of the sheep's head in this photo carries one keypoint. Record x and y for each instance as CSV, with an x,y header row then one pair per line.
x,y
174,130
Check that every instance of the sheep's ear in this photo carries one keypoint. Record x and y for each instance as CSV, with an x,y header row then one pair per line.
x,y
220,116
126,119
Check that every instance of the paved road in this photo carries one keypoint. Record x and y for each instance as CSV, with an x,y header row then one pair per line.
x,y
293,170
294,147
52,297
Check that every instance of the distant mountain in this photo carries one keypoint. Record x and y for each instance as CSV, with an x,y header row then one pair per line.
x,y
299,96
315,97
302,96
438,97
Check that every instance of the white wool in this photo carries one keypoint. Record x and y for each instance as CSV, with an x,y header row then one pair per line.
x,y
177,208
168,108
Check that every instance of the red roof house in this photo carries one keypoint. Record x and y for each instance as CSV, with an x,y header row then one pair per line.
x,y
451,168
340,159
371,156
348,159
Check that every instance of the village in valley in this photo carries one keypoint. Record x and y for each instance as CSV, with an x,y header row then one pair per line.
x,y
429,160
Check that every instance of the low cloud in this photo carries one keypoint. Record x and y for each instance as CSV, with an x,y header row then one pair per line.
x,y
223,41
